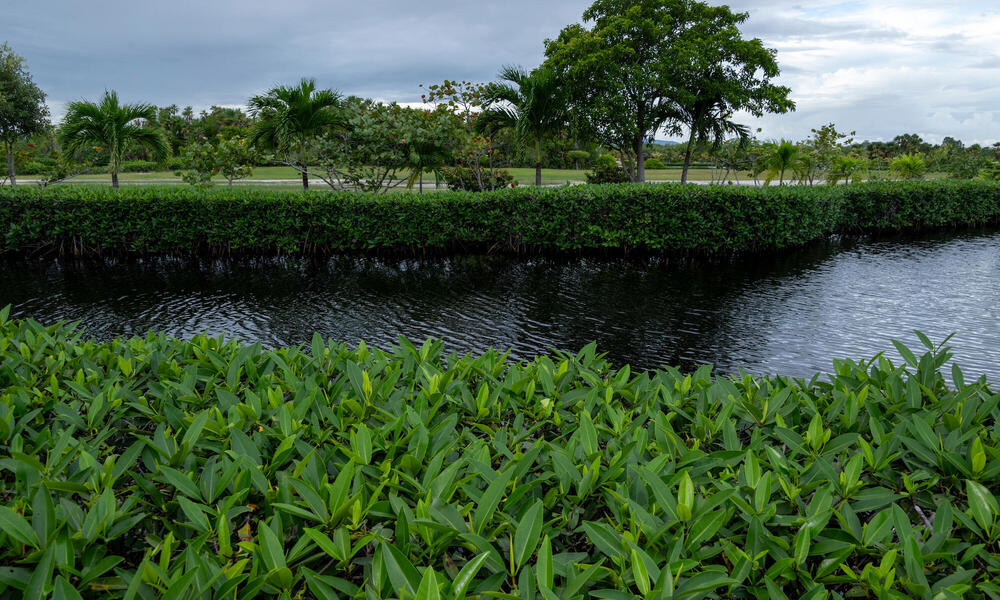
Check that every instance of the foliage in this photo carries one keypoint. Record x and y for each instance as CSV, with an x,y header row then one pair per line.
x,y
908,166
470,151
577,156
22,106
531,105
155,467
991,172
462,178
850,169
112,127
607,173
826,145
659,218
782,158
289,118
652,65
230,158
654,163
606,160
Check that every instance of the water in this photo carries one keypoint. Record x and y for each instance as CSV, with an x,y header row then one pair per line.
x,y
790,314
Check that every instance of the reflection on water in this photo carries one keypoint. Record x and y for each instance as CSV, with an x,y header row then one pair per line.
x,y
789,314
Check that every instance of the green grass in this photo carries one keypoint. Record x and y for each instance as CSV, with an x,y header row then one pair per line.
x,y
289,176
155,467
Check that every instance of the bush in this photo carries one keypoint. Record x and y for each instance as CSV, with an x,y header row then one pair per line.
x,y
908,166
660,218
606,160
577,157
216,470
654,163
604,173
138,166
991,172
175,163
464,179
32,167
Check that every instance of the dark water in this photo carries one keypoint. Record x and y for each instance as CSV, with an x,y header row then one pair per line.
x,y
789,314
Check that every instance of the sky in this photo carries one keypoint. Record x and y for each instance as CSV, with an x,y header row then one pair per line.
x,y
880,68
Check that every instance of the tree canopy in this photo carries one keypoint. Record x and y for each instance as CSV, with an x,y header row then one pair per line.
x,y
114,127
657,65
22,105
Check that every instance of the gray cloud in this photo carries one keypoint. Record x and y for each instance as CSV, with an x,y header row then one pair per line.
x,y
880,67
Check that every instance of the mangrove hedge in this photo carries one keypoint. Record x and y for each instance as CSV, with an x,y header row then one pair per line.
x,y
154,467
662,218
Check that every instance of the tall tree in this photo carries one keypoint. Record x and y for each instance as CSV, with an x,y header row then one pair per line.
x,y
654,65
529,104
115,128
22,105
718,73
290,117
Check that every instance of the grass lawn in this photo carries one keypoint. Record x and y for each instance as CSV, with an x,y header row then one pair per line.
x,y
289,176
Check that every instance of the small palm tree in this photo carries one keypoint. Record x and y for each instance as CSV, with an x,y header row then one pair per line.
x,y
529,104
288,117
783,157
708,119
114,127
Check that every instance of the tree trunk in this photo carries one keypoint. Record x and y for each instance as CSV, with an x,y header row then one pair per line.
x,y
420,180
9,149
640,164
687,157
538,163
114,179
305,168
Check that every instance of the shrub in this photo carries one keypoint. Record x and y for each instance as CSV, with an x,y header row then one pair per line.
x,y
205,468
461,178
33,167
139,166
606,160
659,218
654,163
991,172
908,166
578,157
604,173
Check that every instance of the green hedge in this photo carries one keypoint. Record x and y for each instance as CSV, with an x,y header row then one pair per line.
x,y
154,467
646,217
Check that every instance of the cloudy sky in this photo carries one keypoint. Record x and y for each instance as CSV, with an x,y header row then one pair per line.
x,y
880,67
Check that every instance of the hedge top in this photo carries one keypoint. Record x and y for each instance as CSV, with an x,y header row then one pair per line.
x,y
668,218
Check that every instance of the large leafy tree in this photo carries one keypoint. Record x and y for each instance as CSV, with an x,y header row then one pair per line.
x,y
657,65
22,105
717,73
289,118
529,104
113,127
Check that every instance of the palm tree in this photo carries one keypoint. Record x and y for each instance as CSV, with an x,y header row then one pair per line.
x,y
783,157
114,127
529,104
709,119
288,117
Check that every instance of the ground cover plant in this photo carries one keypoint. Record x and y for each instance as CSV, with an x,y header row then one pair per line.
x,y
154,467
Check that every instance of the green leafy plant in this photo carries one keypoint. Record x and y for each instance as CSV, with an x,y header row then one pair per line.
x,y
156,467
113,127
233,159
654,163
908,166
655,218
605,173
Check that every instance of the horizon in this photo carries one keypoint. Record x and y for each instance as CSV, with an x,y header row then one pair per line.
x,y
847,63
